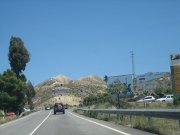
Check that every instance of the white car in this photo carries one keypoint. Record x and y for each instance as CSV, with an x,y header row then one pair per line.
x,y
47,108
166,98
27,110
147,99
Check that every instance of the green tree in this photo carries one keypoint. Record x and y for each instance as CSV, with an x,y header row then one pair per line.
x,y
30,94
18,56
117,88
159,91
12,92
106,78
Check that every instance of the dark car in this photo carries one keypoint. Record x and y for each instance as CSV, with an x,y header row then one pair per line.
x,y
59,107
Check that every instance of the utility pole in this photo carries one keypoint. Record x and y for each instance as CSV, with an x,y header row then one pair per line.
x,y
133,65
133,69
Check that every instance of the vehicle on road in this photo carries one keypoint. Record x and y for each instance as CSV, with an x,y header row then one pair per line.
x,y
10,113
165,98
27,110
59,107
147,99
47,108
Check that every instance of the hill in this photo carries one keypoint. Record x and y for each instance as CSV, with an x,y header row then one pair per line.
x,y
152,85
63,89
157,82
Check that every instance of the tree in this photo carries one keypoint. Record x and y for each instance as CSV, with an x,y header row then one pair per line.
x,y
106,78
30,93
18,56
12,92
159,91
118,88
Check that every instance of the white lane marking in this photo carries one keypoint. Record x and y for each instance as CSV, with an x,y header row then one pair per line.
x,y
113,129
40,124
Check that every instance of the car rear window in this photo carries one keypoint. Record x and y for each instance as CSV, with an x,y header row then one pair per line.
x,y
148,98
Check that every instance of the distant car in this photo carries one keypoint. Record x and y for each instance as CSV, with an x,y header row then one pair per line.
x,y
59,107
26,110
165,98
47,108
147,99
10,113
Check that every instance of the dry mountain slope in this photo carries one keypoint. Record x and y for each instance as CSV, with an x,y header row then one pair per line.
x,y
62,79
52,82
90,80
62,89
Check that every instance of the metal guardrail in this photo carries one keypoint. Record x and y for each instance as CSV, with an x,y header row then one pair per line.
x,y
158,113
24,113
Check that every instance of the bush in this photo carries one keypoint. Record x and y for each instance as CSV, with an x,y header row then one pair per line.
x,y
176,100
2,113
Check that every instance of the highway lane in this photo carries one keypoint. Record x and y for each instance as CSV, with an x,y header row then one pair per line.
x,y
46,123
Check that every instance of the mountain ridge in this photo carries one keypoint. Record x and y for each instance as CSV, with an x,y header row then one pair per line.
x,y
60,88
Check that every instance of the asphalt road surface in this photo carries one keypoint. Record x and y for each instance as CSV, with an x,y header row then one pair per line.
x,y
46,123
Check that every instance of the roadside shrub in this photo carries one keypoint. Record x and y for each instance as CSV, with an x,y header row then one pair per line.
x,y
176,100
2,113
105,119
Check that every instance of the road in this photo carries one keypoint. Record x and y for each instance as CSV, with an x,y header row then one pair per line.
x,y
46,123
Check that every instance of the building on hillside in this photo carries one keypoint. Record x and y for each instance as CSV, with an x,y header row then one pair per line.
x,y
126,80
151,76
145,82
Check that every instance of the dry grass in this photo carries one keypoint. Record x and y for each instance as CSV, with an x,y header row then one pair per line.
x,y
7,119
154,125
153,105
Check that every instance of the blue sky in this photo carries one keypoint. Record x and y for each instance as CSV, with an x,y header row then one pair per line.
x,y
82,37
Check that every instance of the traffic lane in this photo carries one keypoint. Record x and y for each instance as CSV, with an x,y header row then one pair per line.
x,y
66,124
24,125
69,124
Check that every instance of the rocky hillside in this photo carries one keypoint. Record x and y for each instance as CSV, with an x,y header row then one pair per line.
x,y
90,80
63,89
152,85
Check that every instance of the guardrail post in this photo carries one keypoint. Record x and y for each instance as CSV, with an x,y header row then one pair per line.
x,y
131,121
109,116
82,112
149,121
144,104
96,114
85,112
90,114
117,116
121,118
101,114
